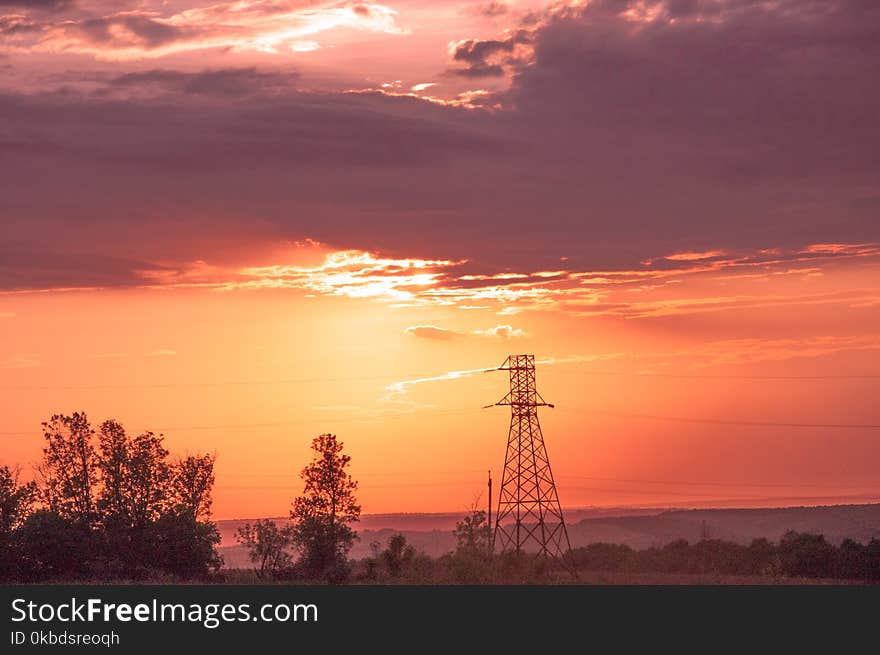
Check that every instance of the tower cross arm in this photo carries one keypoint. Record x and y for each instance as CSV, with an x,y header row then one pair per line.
x,y
504,401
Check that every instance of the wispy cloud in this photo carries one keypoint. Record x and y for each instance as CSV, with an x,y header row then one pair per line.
x,y
578,292
269,26
431,332
434,332
163,352
398,389
692,360
694,256
404,386
666,285
354,274
501,332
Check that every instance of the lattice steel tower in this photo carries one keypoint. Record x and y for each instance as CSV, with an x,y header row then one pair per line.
x,y
529,516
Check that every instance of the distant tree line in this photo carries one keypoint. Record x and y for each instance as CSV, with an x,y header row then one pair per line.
x,y
796,554
107,505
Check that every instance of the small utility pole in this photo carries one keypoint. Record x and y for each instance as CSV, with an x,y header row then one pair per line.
x,y
489,519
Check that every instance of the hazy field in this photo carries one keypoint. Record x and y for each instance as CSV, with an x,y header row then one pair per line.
x,y
636,527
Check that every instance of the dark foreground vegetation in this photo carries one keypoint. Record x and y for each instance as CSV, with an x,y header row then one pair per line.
x,y
109,506
796,558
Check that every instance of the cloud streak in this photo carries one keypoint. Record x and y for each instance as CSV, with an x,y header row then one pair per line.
x,y
664,286
267,26
502,332
431,332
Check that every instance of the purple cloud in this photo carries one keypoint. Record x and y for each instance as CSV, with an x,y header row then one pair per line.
x,y
690,128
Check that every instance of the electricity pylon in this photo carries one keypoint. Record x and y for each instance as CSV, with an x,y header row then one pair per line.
x,y
529,515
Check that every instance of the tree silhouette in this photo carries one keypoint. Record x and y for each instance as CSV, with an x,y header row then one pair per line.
x,y
472,534
135,476
118,510
267,546
469,562
398,556
69,467
322,514
16,501
192,482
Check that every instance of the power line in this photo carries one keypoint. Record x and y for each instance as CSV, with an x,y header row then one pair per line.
x,y
228,383
660,492
723,421
651,417
748,485
707,376
244,426
222,383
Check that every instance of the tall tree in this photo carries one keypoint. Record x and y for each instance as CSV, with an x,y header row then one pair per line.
x,y
135,475
192,483
70,467
113,460
134,492
148,478
323,513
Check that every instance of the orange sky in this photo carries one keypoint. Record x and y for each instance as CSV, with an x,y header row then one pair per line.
x,y
245,222
254,373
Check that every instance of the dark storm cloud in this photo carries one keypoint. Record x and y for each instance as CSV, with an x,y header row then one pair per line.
x,y
483,57
142,30
44,5
23,268
475,51
234,82
736,125
478,69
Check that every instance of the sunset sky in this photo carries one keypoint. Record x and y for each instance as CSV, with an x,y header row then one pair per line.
x,y
245,223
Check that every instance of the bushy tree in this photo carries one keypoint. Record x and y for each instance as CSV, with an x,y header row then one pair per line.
x,y
852,561
806,555
603,557
763,558
323,514
135,476
118,510
51,547
267,546
872,551
16,501
398,556
470,562
69,467
192,482
472,533
184,546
